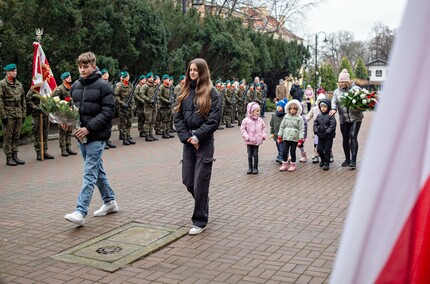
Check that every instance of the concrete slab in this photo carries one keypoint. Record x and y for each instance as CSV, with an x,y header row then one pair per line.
x,y
122,246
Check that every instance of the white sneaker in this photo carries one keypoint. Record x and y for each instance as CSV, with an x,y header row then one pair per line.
x,y
75,217
196,230
110,207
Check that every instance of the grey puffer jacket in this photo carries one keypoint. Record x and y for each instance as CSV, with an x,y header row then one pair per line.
x,y
345,114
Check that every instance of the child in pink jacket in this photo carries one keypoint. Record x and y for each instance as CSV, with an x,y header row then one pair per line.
x,y
254,133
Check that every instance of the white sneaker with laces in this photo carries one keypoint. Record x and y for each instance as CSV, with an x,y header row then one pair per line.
x,y
75,217
196,230
110,207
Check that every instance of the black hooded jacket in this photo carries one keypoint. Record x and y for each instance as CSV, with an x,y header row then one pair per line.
x,y
325,124
188,122
94,98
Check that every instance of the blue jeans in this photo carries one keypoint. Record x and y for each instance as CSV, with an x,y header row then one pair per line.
x,y
94,174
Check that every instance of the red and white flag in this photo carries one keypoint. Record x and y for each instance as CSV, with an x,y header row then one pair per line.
x,y
387,233
43,79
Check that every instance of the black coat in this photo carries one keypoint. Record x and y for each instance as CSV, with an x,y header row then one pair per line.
x,y
296,92
187,120
325,124
94,98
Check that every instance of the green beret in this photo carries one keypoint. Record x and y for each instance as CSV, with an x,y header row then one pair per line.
x,y
157,77
10,67
227,82
217,82
124,74
149,75
171,78
142,77
182,77
103,71
65,75
165,76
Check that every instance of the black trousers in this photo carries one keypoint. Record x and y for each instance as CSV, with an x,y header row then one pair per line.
x,y
349,139
289,146
196,176
324,149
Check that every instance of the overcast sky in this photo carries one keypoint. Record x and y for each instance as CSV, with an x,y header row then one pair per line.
x,y
357,16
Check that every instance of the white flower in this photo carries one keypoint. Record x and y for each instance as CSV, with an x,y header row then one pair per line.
x,y
45,96
56,99
364,101
63,102
366,91
354,101
362,96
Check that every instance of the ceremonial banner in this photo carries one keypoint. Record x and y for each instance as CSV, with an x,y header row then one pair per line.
x,y
43,81
387,232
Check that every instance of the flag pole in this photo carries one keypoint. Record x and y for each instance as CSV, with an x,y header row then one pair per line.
x,y
39,33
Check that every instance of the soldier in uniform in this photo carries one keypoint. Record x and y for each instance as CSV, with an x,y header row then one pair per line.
x,y
264,96
157,122
172,100
125,106
40,119
258,95
64,136
12,113
241,102
150,107
179,86
140,105
165,107
105,76
228,105
250,95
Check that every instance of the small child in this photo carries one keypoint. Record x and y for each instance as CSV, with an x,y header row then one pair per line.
x,y
313,114
275,122
291,134
301,147
254,133
325,128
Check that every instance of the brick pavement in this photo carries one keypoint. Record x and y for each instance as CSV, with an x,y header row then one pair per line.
x,y
274,227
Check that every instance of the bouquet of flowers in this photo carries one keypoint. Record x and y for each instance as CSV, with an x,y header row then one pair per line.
x,y
359,99
61,111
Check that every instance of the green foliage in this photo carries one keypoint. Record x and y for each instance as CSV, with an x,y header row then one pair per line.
x,y
328,79
270,105
344,64
360,69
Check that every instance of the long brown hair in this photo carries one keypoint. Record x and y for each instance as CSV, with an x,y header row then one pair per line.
x,y
203,88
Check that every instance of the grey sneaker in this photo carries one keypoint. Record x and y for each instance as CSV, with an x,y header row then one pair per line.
x,y
196,230
110,207
75,217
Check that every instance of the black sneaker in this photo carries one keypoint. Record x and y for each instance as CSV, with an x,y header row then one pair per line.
x,y
346,163
326,167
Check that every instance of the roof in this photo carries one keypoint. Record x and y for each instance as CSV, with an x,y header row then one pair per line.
x,y
377,62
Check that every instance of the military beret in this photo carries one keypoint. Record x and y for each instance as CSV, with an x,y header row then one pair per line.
x,y
142,77
170,77
157,77
165,76
149,75
103,71
182,77
227,82
124,74
10,67
217,82
65,75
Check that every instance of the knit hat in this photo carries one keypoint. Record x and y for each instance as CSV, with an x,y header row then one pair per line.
x,y
65,75
252,106
320,97
282,104
103,71
10,67
344,76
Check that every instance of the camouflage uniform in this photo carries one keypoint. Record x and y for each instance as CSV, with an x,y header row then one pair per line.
x,y
12,113
228,107
241,104
122,93
39,118
64,136
258,96
150,109
165,110
140,109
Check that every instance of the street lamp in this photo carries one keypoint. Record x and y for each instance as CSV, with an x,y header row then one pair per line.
x,y
316,59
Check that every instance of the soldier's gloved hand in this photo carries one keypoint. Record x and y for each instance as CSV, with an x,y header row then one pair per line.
x,y
125,106
5,120
152,103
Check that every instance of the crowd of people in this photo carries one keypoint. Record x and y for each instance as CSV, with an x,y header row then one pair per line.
x,y
194,109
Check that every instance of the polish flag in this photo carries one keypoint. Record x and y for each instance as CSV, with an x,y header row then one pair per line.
x,y
387,232
43,79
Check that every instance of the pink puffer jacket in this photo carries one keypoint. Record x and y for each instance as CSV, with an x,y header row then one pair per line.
x,y
253,128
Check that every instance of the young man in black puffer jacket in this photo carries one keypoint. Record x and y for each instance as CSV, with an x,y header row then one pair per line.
x,y
94,98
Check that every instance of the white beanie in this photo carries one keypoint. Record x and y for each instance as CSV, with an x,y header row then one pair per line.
x,y
320,97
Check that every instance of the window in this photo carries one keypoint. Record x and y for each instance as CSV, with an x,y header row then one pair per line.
x,y
378,73
369,73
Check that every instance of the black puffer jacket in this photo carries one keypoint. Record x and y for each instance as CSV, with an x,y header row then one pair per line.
x,y
94,98
188,121
325,124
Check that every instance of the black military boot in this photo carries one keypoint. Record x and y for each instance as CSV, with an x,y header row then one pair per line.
x,y
10,161
110,144
170,135
131,142
249,166
125,142
142,134
70,151
16,159
158,132
152,136
165,135
64,153
48,156
39,156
